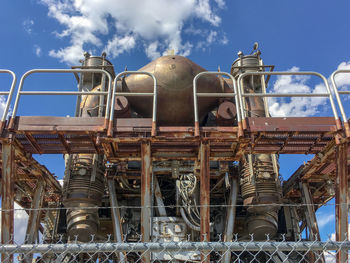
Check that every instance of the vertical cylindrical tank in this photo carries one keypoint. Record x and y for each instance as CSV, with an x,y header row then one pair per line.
x,y
84,175
259,182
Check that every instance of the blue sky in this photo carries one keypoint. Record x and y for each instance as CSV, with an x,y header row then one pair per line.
x,y
293,35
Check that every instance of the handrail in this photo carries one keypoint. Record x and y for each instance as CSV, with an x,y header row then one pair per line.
x,y
9,93
126,94
215,95
25,75
241,93
340,104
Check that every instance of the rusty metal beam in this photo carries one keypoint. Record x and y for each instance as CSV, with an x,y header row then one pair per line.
x,y
146,171
7,193
310,212
205,194
341,208
231,217
118,233
34,217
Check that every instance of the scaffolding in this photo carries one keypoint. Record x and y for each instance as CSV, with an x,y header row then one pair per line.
x,y
25,181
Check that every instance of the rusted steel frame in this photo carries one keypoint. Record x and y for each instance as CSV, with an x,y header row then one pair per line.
x,y
64,142
310,215
341,196
146,175
33,142
95,142
154,94
118,233
204,156
318,139
8,195
34,217
214,95
290,135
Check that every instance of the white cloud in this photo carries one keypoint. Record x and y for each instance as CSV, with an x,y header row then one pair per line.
x,y
155,24
343,79
20,226
330,257
3,100
37,50
28,25
220,3
298,84
295,106
212,36
117,45
151,50
324,219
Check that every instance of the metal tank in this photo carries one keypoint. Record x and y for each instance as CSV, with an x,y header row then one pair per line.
x,y
84,175
174,76
259,181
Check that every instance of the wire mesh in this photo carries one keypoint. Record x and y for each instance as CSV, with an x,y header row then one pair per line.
x,y
184,251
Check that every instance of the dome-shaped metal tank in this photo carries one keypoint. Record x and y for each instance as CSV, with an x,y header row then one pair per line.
x,y
174,76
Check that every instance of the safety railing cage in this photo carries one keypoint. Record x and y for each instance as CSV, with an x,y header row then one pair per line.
x,y
9,94
337,93
237,94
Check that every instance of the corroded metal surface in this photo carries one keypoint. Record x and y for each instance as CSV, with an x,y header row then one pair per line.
x,y
7,197
341,198
204,194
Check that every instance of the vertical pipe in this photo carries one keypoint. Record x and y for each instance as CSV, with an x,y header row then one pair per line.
x,y
34,217
146,171
205,195
231,217
341,208
7,200
116,218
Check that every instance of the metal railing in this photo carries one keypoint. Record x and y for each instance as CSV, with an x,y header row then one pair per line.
x,y
135,94
8,93
25,75
242,94
213,95
337,92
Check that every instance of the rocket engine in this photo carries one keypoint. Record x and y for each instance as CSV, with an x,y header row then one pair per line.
x,y
175,182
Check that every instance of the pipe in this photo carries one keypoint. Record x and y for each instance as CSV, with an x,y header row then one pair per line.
x,y
231,217
188,223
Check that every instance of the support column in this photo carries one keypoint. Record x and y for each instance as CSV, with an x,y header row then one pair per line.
x,y
8,194
231,217
311,220
146,172
116,217
341,208
34,218
205,194
310,215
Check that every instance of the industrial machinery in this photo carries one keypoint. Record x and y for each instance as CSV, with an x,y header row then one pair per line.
x,y
245,195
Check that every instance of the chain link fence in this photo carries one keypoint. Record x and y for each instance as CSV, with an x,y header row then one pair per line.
x,y
184,251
